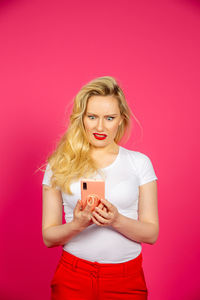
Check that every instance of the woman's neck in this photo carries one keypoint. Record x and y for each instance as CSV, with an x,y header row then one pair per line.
x,y
110,149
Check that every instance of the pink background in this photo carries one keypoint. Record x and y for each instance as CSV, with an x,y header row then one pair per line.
x,y
48,50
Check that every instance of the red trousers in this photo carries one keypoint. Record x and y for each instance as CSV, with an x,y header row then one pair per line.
x,y
79,279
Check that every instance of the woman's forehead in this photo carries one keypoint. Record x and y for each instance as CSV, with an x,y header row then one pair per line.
x,y
105,104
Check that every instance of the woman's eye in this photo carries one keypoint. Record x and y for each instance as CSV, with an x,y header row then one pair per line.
x,y
108,118
91,117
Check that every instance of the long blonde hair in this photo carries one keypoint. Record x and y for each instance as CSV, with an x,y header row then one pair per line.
x,y
71,158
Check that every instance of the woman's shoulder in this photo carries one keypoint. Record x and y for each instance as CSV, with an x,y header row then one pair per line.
x,y
135,155
142,164
47,175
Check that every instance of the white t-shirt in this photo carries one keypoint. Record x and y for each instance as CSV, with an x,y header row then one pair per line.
x,y
122,180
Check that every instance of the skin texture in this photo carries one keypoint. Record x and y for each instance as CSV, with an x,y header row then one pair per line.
x,y
98,119
102,116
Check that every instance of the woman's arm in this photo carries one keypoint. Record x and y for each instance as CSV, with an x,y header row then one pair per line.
x,y
135,230
146,228
53,231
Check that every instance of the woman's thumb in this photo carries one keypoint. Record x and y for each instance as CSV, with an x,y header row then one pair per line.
x,y
78,204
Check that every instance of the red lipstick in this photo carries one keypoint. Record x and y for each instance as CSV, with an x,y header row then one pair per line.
x,y
99,136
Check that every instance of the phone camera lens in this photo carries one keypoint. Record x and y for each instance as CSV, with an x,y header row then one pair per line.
x,y
85,185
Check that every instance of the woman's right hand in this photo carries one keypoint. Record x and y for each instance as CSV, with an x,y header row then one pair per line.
x,y
83,217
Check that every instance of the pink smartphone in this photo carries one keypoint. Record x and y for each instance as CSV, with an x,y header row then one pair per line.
x,y
92,190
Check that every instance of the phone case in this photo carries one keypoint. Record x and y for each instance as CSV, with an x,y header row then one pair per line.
x,y
92,190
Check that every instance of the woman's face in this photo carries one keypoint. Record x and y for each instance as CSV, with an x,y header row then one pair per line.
x,y
102,117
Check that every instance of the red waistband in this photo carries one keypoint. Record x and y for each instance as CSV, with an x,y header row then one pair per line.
x,y
128,267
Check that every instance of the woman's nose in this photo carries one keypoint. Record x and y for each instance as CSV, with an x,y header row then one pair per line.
x,y
100,125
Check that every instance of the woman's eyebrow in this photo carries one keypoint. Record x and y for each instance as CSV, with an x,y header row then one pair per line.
x,y
105,115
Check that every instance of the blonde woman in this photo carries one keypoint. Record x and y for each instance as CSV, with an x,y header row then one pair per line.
x,y
101,249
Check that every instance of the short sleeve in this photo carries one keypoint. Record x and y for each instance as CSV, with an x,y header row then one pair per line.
x,y
47,176
146,171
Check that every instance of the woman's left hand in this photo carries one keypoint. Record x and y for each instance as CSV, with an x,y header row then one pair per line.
x,y
105,217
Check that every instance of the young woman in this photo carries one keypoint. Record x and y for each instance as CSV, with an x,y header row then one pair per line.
x,y
102,252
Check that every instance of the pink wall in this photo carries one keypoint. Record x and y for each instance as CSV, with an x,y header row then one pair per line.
x,y
49,49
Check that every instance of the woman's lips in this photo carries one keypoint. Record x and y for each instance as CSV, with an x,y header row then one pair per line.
x,y
99,136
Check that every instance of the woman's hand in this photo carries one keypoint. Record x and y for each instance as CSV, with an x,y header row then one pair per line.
x,y
108,215
82,217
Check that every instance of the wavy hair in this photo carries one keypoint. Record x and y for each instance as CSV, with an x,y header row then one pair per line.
x,y
71,158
